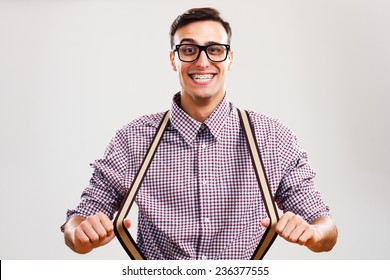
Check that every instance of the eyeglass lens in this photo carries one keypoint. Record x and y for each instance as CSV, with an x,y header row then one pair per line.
x,y
189,53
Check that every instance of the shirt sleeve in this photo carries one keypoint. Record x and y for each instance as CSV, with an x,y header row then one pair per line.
x,y
296,191
106,187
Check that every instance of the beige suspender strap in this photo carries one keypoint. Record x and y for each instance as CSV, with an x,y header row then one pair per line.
x,y
269,236
270,233
120,230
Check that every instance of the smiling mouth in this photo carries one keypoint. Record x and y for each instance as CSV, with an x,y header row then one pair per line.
x,y
202,78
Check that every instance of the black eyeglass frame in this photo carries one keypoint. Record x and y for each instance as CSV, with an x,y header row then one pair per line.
x,y
202,48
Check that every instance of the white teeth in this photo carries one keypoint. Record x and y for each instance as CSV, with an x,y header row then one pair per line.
x,y
202,78
205,76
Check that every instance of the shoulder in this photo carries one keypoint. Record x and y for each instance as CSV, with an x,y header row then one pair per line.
x,y
144,122
271,131
152,120
265,122
140,128
261,119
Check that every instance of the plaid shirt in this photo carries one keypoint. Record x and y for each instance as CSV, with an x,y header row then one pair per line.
x,y
200,198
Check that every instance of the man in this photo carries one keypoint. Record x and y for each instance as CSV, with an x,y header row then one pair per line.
x,y
200,198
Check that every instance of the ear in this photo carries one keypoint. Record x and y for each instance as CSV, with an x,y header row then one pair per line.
x,y
230,57
172,58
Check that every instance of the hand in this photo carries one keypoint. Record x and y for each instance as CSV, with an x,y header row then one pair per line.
x,y
88,233
294,229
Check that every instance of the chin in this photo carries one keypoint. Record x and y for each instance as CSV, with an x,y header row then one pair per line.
x,y
203,95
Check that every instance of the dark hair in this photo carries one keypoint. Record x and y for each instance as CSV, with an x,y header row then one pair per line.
x,y
198,14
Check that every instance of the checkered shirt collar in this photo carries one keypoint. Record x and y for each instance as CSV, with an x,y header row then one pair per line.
x,y
189,127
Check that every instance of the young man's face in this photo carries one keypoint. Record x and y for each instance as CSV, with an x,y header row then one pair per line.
x,y
202,79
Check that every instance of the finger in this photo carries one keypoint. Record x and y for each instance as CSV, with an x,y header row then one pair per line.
x,y
80,237
98,232
296,234
304,238
127,223
89,231
288,230
283,222
309,237
265,222
81,242
108,239
106,223
292,227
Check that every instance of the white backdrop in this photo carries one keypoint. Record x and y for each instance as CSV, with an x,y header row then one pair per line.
x,y
73,72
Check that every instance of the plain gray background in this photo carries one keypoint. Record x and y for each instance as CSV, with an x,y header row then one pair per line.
x,y
73,72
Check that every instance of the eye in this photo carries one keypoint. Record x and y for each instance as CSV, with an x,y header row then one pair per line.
x,y
216,49
188,50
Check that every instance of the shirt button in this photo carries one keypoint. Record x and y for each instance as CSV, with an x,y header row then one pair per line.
x,y
204,146
205,182
204,257
206,220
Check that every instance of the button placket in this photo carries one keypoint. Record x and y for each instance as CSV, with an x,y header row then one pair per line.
x,y
205,191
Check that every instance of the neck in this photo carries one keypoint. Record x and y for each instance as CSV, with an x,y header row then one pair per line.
x,y
200,108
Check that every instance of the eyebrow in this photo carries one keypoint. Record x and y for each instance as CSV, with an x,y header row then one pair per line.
x,y
192,41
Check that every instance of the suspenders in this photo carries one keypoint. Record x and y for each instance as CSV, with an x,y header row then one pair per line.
x,y
270,233
123,235
120,230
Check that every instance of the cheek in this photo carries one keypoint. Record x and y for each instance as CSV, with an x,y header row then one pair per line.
x,y
182,71
182,75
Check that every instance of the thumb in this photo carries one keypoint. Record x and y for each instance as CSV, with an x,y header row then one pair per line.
x,y
127,223
265,222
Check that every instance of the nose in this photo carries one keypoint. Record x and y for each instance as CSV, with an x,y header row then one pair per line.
x,y
202,60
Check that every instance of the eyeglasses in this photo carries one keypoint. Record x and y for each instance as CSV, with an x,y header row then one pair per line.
x,y
214,52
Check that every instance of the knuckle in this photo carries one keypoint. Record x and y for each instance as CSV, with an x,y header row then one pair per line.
x,y
294,239
100,214
90,218
85,241
102,235
289,214
279,228
83,224
297,219
77,230
302,241
79,233
94,239
284,235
